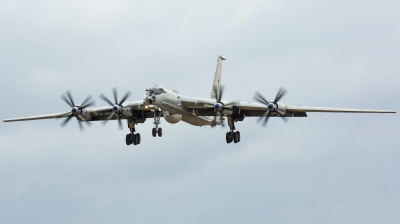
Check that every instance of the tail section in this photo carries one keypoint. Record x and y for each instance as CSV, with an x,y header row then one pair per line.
x,y
217,76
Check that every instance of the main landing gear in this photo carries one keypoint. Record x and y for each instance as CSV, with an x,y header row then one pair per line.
x,y
156,130
132,138
232,135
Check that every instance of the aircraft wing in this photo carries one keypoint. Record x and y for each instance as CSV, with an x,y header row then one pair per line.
x,y
333,110
256,109
250,109
40,117
99,113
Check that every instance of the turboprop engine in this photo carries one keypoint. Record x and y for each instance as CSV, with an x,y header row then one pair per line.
x,y
172,118
81,112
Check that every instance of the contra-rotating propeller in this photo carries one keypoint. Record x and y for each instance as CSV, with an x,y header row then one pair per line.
x,y
116,107
218,92
272,106
76,109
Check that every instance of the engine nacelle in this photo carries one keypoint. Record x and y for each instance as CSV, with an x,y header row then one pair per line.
x,y
85,113
172,118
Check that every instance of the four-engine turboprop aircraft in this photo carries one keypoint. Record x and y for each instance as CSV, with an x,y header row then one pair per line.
x,y
160,102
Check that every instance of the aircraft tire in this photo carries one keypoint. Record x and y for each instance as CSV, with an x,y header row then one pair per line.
x,y
128,139
159,132
235,137
228,137
154,132
138,139
134,139
238,136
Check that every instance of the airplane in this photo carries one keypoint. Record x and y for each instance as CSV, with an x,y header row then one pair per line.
x,y
174,107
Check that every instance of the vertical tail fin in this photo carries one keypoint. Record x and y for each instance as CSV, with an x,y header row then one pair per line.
x,y
217,76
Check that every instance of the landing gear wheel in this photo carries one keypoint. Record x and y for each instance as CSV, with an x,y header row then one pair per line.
x,y
159,132
238,136
138,138
134,139
235,137
154,132
128,139
228,137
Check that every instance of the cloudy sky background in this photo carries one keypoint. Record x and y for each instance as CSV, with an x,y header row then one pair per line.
x,y
327,168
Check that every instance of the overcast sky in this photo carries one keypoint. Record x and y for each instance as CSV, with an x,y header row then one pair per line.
x,y
326,168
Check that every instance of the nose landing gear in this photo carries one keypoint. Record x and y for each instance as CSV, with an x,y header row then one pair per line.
x,y
156,130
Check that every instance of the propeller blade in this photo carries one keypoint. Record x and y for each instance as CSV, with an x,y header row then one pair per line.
x,y
218,92
106,99
285,119
87,105
115,95
259,98
214,121
107,119
265,121
86,121
80,125
279,95
215,92
66,120
70,97
124,98
262,116
119,122
86,100
222,121
221,93
66,100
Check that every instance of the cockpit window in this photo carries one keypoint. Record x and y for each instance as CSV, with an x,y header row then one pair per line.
x,y
158,92
155,91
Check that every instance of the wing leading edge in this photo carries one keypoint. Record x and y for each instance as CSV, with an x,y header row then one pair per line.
x,y
99,113
40,117
334,110
290,108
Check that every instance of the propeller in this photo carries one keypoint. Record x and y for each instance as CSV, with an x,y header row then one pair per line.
x,y
116,106
272,106
76,109
218,92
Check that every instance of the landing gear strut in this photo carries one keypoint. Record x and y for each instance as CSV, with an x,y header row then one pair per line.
x,y
156,130
132,138
232,135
